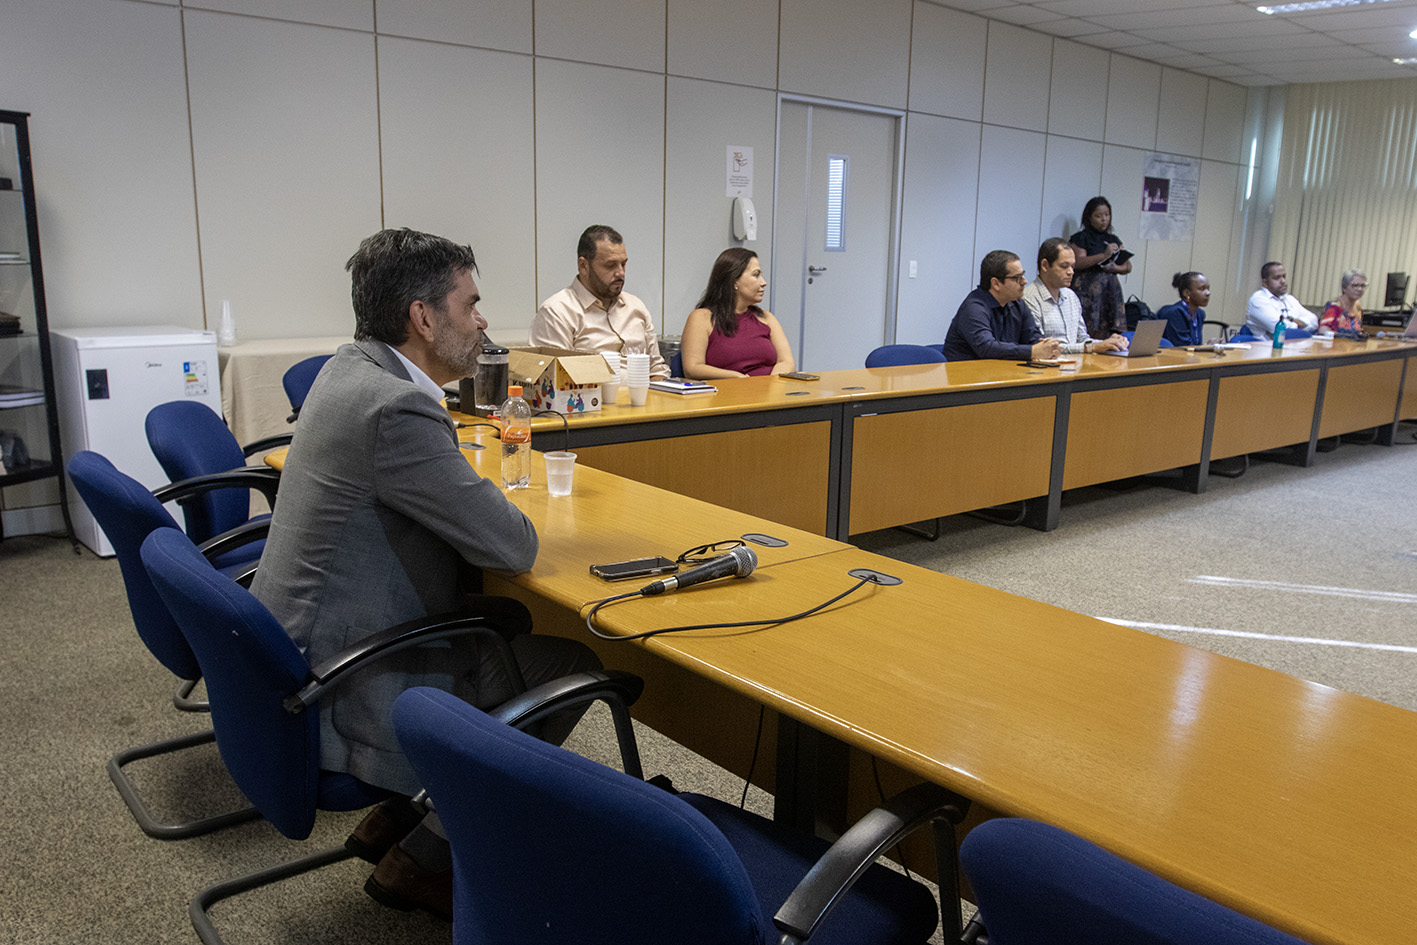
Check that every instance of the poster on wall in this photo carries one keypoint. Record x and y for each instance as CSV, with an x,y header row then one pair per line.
x,y
740,171
1170,184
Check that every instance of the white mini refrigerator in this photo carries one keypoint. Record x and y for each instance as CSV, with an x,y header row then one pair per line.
x,y
106,381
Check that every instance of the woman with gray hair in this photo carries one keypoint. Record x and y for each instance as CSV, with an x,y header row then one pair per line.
x,y
1344,313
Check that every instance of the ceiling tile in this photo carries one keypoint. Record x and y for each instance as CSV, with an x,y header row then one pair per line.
x,y
1119,41
974,6
1181,16
1023,15
1263,29
1368,16
1067,27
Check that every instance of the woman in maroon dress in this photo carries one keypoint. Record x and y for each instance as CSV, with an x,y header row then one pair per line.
x,y
728,334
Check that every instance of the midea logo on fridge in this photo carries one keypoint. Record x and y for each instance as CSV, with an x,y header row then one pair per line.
x,y
152,364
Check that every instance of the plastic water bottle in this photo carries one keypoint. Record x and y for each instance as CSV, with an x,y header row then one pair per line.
x,y
516,440
1279,335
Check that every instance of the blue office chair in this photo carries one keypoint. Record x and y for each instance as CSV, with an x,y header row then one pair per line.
x,y
893,355
264,698
548,845
676,365
1038,885
189,439
297,380
1244,334
128,513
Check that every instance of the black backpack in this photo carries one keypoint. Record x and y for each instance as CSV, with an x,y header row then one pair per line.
x,y
1137,311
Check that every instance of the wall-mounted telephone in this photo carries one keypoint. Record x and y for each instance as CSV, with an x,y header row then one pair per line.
x,y
745,219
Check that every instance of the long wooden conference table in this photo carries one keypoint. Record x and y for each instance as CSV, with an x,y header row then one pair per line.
x,y
1281,798
1284,799
866,449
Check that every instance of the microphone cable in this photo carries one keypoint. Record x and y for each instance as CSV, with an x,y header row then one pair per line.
x,y
595,607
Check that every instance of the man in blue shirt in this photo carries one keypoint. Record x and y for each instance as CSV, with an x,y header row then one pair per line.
x,y
992,321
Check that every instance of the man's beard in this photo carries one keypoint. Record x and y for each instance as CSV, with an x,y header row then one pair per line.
x,y
449,348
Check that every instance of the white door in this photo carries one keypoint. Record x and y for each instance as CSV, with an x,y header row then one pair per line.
x,y
833,284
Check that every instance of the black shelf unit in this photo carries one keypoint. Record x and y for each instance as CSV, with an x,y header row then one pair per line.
x,y
22,279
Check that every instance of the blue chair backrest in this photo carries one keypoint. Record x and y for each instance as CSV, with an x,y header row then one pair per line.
x,y
128,513
1038,885
1295,334
891,355
676,365
189,439
548,845
1244,334
250,665
299,377
1130,335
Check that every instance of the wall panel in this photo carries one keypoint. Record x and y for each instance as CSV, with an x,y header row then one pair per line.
x,y
492,24
624,33
1077,98
91,74
941,192
463,189
1016,77
752,26
947,50
1180,127
581,180
1010,193
285,138
704,118
1133,93
845,49
1072,175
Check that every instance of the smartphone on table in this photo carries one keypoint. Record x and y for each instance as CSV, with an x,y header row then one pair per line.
x,y
801,376
637,568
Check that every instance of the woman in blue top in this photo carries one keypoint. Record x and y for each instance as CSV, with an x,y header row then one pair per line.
x,y
1185,318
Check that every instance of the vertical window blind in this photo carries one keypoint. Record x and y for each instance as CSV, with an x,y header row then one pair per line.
x,y
1347,188
836,202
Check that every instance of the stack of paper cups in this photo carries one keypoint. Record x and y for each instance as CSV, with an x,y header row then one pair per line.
x,y
637,378
610,390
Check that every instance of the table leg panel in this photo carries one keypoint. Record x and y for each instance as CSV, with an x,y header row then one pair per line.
x,y
1358,396
780,473
1127,431
914,465
1263,411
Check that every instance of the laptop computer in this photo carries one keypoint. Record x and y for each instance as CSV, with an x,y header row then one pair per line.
x,y
1146,340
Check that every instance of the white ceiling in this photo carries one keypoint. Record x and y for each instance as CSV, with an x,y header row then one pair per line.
x,y
1230,39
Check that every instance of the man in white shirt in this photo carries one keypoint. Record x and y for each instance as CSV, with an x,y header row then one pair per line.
x,y
1056,309
1272,302
594,313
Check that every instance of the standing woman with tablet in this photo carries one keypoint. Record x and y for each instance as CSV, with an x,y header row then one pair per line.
x,y
728,334
1095,278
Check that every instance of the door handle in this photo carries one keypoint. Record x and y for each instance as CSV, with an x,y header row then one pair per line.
x,y
816,269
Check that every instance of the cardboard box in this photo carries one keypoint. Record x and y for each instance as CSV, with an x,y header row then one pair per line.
x,y
558,379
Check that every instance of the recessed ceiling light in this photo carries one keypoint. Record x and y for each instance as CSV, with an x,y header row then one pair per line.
x,y
1413,34
1310,5
1406,62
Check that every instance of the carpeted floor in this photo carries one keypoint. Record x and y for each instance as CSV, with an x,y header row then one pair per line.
x,y
1327,555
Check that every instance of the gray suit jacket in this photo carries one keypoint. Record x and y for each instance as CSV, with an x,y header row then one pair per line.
x,y
378,511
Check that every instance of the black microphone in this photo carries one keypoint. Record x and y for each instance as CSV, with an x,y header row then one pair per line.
x,y
739,562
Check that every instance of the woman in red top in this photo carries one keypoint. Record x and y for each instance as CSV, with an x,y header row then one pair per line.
x,y
728,335
1344,313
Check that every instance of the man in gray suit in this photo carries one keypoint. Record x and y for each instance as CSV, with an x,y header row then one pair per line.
x,y
378,519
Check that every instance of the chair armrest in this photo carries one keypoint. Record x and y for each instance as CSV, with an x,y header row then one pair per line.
x,y
267,443
234,538
498,628
842,865
264,480
618,690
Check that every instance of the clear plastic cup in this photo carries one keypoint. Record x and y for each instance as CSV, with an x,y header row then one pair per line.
x,y
560,472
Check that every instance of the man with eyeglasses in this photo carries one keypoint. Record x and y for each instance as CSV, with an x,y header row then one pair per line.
x,y
1272,303
992,322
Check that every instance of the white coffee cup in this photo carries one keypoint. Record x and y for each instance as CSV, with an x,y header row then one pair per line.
x,y
560,472
638,394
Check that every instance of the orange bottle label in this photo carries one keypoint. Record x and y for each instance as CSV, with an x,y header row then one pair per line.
x,y
516,434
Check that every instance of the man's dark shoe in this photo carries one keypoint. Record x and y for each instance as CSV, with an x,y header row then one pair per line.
x,y
400,883
376,834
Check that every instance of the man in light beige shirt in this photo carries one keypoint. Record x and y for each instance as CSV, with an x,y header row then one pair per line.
x,y
594,313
